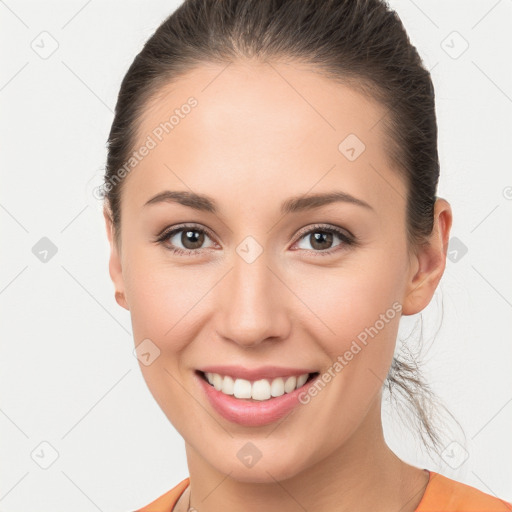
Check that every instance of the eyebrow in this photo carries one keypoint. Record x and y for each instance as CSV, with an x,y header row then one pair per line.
x,y
205,203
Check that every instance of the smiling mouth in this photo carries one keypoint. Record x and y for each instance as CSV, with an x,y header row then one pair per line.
x,y
259,390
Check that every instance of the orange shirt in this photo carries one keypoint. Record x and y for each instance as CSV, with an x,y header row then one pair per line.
x,y
441,495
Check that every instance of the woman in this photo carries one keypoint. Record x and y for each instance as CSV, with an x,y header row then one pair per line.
x,y
270,201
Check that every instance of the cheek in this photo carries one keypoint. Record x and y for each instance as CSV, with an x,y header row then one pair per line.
x,y
359,308
163,298
166,301
353,298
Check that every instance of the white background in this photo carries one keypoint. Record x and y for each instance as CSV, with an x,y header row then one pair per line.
x,y
69,377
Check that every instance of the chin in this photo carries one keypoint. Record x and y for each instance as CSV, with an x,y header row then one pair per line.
x,y
260,474
276,465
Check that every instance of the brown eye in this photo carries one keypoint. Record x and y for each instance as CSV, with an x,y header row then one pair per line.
x,y
321,239
185,240
192,239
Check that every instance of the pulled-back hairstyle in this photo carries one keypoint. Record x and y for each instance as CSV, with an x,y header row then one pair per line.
x,y
360,43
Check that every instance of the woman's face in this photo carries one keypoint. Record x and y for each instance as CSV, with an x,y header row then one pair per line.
x,y
263,285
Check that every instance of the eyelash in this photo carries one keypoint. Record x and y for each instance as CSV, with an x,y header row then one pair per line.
x,y
348,240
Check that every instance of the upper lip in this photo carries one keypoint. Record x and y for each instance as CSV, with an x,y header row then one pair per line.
x,y
253,374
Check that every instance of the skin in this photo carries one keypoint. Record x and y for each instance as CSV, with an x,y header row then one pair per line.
x,y
251,143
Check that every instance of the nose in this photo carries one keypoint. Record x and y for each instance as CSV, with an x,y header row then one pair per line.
x,y
253,303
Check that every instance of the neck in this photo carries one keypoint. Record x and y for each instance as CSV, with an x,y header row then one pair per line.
x,y
362,474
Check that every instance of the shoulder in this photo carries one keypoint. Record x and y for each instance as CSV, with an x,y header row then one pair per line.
x,y
166,502
444,494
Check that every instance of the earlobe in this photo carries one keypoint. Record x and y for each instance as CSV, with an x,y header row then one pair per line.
x,y
429,262
114,264
121,300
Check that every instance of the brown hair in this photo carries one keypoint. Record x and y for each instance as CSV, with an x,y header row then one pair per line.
x,y
357,42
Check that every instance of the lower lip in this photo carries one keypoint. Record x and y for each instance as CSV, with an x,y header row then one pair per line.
x,y
252,413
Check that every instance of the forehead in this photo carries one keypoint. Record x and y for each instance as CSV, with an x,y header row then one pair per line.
x,y
276,127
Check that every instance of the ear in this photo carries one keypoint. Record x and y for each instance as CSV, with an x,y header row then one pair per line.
x,y
429,261
114,264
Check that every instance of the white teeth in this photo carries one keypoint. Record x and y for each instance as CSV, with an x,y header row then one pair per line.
x,y
277,387
242,388
289,384
217,381
228,386
302,380
262,389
